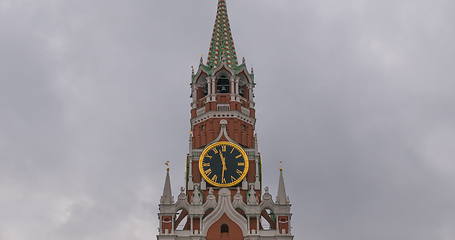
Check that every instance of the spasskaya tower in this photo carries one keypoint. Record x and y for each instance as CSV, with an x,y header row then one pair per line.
x,y
223,197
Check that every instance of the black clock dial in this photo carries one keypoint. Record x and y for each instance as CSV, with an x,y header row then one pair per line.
x,y
223,164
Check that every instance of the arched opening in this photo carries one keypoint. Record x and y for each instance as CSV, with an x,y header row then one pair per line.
x,y
181,222
243,86
243,91
268,220
202,87
223,84
205,90
224,228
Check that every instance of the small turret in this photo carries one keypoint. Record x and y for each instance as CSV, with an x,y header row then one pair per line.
x,y
282,198
167,197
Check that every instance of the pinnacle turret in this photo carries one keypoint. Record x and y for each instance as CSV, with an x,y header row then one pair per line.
x,y
167,197
282,197
222,48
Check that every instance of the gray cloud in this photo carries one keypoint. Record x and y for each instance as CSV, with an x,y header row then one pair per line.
x,y
355,96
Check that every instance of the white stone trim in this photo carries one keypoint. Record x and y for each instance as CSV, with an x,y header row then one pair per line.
x,y
223,131
222,107
200,111
225,207
222,114
245,110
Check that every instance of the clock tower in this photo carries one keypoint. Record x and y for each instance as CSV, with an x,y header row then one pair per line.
x,y
223,196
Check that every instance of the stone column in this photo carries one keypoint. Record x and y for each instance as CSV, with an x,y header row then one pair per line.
x,y
172,225
213,86
161,224
200,225
278,225
232,88
258,218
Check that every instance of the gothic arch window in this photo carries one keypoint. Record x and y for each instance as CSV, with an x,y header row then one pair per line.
x,y
223,84
243,86
205,90
201,86
224,228
242,91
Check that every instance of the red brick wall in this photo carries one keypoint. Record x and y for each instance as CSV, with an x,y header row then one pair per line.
x,y
166,224
207,131
283,225
235,232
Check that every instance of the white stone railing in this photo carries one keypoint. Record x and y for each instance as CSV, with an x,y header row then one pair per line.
x,y
245,111
267,233
200,111
183,233
223,107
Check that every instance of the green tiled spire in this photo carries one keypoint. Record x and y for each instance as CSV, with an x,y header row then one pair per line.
x,y
222,48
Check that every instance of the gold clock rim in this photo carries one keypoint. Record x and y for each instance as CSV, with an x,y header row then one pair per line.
x,y
208,148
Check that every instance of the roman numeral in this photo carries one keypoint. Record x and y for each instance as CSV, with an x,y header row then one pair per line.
x,y
238,172
208,156
223,181
232,150
214,178
223,148
206,164
215,151
208,171
233,178
241,164
238,156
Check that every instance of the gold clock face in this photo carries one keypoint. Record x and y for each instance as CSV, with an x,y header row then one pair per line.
x,y
223,164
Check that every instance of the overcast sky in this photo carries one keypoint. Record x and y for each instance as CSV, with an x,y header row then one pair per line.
x,y
357,97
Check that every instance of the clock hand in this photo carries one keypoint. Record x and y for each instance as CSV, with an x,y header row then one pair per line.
x,y
223,162
222,175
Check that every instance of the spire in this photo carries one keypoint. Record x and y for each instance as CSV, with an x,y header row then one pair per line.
x,y
222,48
281,197
167,197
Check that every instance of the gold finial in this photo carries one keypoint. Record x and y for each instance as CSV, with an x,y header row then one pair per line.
x,y
167,163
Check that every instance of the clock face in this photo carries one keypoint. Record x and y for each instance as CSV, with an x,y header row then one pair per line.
x,y
223,164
